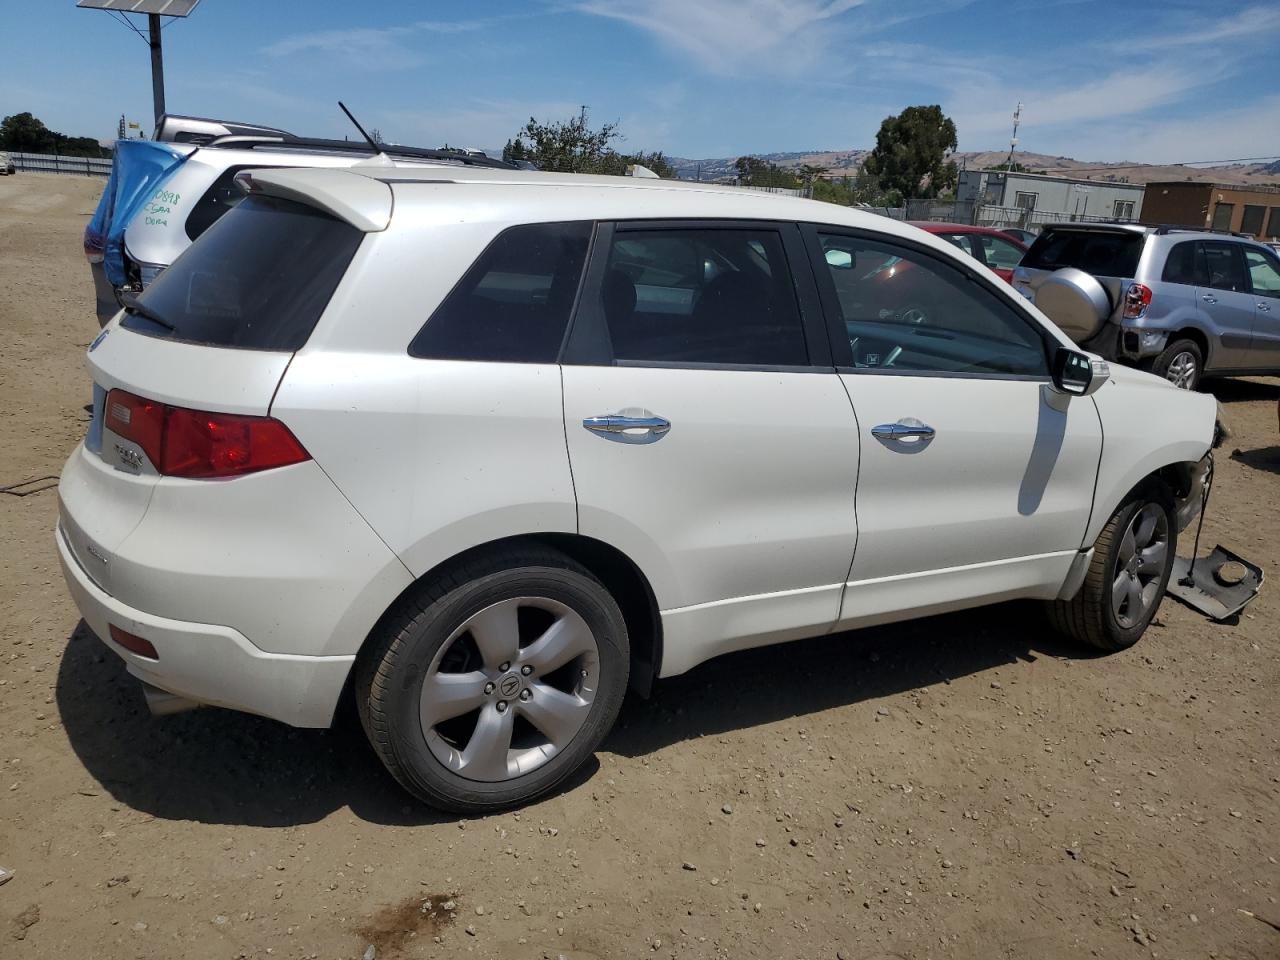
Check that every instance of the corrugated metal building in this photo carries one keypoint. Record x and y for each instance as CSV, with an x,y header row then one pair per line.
x,y
1052,196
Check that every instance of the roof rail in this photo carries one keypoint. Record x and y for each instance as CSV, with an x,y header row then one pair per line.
x,y
290,142
1165,228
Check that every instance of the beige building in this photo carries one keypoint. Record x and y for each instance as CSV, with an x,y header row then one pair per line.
x,y
1254,210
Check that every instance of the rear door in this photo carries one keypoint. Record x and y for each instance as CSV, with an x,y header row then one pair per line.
x,y
709,435
976,478
1264,278
1227,304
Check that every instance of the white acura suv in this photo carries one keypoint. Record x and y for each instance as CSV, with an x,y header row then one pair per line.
x,y
483,448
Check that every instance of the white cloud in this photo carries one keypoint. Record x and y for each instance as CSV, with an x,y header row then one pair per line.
x,y
485,124
723,36
1252,23
380,48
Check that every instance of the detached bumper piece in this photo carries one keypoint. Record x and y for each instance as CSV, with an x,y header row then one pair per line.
x,y
1219,585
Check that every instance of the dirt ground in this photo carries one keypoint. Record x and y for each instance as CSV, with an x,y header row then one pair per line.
x,y
965,786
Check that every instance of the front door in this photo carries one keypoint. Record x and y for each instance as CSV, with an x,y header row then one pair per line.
x,y
976,478
1264,277
709,435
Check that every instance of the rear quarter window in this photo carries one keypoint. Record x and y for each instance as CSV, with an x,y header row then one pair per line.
x,y
257,279
1102,253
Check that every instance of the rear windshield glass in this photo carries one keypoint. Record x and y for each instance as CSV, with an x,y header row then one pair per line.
x,y
1104,253
257,279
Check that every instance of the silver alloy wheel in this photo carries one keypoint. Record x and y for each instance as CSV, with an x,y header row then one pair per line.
x,y
1140,565
1182,370
494,707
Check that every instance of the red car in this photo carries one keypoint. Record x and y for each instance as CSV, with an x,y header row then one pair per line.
x,y
997,250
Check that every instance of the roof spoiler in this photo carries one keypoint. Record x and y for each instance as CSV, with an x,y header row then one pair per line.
x,y
363,202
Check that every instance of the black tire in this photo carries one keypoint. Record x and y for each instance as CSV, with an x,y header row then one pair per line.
x,y
403,648
1090,617
1172,361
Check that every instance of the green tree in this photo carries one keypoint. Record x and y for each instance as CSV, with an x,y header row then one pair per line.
x,y
910,153
755,172
572,146
569,146
24,133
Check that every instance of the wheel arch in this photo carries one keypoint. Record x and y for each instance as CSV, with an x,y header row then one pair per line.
x,y
1200,339
620,575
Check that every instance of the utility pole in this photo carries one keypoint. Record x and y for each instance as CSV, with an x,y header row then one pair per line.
x,y
582,115
1013,140
157,66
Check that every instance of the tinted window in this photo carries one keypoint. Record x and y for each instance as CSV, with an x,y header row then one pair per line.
x,y
1264,272
1224,265
962,240
906,311
1222,214
259,278
1273,223
1001,254
1185,264
1108,253
513,304
702,296
1251,219
222,195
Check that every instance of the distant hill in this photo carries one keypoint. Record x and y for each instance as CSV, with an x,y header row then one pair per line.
x,y
840,162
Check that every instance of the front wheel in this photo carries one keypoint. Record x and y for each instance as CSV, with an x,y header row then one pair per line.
x,y
494,681
1127,576
1181,363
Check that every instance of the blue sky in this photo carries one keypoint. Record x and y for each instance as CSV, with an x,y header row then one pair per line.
x,y
1132,80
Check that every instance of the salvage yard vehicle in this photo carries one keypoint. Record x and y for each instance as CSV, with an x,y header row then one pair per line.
x,y
1181,303
7,167
481,449
164,193
999,251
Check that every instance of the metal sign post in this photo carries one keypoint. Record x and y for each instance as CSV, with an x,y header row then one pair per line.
x,y
154,10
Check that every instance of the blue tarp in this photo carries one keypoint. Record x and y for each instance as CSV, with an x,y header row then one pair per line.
x,y
139,169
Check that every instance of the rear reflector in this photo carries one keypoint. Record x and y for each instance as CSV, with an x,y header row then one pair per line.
x,y
201,446
134,643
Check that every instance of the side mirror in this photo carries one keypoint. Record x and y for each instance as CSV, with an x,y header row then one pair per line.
x,y
840,259
1078,374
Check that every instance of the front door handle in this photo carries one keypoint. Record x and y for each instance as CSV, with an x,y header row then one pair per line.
x,y
629,429
903,430
1209,298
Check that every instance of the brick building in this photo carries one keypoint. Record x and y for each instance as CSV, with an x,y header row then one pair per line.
x,y
1254,210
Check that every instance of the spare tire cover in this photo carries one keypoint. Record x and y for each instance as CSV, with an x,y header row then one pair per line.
x,y
1075,301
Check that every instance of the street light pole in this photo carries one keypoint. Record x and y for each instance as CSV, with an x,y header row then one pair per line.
x,y
157,66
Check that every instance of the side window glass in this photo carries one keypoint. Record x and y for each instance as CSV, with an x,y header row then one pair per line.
x,y
513,304
906,311
702,296
1185,264
961,240
222,196
1001,255
1264,272
1224,265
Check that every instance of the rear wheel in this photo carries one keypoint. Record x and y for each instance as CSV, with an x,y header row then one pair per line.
x,y
1181,363
495,680
1127,575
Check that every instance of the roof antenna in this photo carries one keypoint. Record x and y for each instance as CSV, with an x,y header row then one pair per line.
x,y
368,139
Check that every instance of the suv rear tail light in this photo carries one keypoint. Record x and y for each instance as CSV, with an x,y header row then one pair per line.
x,y
1136,300
95,245
202,446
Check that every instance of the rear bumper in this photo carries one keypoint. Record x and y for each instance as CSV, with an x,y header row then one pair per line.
x,y
105,302
212,664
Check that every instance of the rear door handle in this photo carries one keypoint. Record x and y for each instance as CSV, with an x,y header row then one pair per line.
x,y
1264,307
902,430
628,429
1209,298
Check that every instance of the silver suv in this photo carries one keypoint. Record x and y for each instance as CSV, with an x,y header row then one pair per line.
x,y
1180,303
